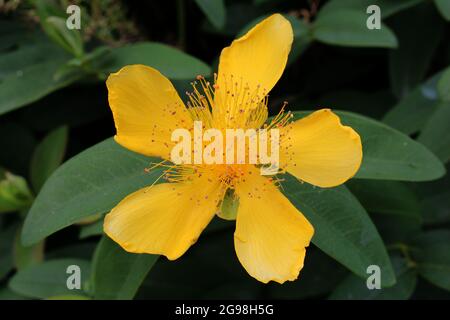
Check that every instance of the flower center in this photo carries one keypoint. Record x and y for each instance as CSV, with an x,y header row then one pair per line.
x,y
233,105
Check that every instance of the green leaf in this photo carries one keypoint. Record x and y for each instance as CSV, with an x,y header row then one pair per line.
x,y
91,219
395,207
354,288
48,279
92,182
343,228
68,39
435,133
444,8
34,81
69,297
6,248
47,156
93,229
409,63
172,62
412,112
443,86
387,7
389,154
117,274
25,257
435,200
391,198
432,253
7,294
302,37
25,55
12,33
214,11
14,193
53,22
348,28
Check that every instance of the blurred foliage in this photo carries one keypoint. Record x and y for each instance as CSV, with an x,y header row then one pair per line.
x,y
60,172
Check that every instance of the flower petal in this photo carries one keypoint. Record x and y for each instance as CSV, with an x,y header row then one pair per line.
x,y
318,149
146,109
271,234
164,219
256,60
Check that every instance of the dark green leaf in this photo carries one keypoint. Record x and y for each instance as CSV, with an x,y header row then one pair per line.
x,y
92,182
214,11
33,82
25,257
355,288
348,28
238,15
117,274
48,279
444,8
47,156
435,200
387,7
432,253
53,22
13,33
69,39
7,294
395,207
443,86
13,61
69,297
435,133
391,198
93,229
409,63
412,112
343,228
171,62
6,248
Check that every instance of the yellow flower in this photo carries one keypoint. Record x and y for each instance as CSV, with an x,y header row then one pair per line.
x,y
167,218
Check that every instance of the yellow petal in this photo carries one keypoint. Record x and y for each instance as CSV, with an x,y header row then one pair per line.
x,y
318,149
271,234
166,218
255,61
146,109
